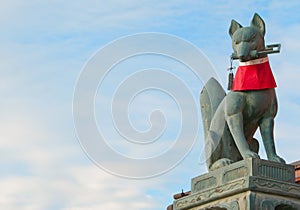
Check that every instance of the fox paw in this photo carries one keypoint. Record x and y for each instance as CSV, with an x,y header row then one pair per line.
x,y
220,163
277,159
250,154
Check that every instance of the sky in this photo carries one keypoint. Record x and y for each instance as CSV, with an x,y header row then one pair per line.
x,y
47,46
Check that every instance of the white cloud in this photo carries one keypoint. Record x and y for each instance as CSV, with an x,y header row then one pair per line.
x,y
63,20
81,188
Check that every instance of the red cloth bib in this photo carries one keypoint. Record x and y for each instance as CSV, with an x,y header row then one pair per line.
x,y
254,75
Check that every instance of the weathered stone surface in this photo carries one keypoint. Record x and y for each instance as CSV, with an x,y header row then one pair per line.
x,y
246,185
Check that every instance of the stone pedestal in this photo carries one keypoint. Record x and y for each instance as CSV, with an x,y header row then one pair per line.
x,y
245,185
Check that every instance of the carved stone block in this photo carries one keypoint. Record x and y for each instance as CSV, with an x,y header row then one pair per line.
x,y
247,185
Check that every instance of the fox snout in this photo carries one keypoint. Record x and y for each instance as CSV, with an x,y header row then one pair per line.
x,y
242,51
245,51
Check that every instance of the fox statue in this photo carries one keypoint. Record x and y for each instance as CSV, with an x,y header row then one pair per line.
x,y
230,121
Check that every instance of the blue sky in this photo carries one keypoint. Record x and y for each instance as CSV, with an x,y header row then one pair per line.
x,y
44,47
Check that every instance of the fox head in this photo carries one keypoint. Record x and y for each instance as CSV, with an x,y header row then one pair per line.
x,y
247,41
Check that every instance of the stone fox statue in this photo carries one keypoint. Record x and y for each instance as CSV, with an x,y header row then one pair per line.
x,y
231,120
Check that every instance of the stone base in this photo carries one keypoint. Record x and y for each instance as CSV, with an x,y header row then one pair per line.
x,y
245,185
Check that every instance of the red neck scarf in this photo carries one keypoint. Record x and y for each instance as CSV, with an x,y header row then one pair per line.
x,y
254,75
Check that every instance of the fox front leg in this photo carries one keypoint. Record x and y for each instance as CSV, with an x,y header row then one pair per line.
x,y
266,126
235,103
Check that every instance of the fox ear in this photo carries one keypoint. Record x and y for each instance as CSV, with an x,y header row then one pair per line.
x,y
258,22
233,27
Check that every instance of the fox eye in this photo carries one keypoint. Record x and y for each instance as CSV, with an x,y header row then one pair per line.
x,y
252,38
